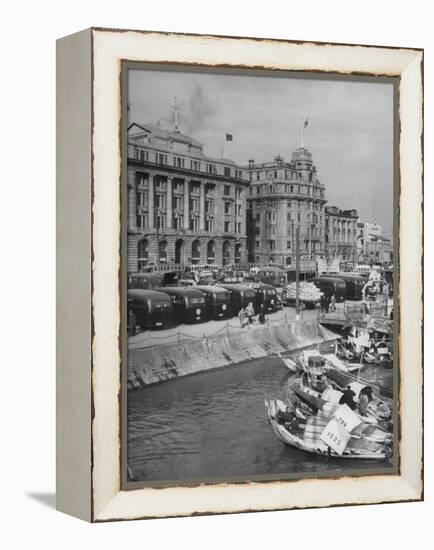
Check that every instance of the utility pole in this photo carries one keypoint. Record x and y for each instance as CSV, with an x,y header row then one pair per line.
x,y
157,228
297,274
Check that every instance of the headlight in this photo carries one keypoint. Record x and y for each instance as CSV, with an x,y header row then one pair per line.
x,y
197,311
224,306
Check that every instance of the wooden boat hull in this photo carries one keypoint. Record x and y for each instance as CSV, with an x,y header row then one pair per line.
x,y
318,447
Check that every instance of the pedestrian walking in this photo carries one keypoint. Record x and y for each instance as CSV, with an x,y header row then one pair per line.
x,y
250,312
261,316
323,303
333,303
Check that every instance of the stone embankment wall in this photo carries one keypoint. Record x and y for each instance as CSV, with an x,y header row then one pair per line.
x,y
159,363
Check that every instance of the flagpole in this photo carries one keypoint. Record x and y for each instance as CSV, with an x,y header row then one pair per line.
x,y
302,132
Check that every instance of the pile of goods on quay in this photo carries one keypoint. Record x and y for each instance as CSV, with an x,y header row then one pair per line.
x,y
330,409
309,292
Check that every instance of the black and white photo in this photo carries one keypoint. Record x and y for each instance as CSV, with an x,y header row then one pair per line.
x,y
260,254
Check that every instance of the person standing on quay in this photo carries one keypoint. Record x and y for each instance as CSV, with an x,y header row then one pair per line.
x,y
261,316
333,303
250,312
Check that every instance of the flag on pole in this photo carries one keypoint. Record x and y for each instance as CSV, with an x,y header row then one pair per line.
x,y
306,122
229,137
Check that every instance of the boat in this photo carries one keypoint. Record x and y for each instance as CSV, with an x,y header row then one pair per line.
x,y
363,442
289,363
316,389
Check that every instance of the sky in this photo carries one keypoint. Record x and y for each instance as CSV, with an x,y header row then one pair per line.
x,y
349,133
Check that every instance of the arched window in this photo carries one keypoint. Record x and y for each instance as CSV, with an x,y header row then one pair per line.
x,y
195,252
142,253
163,251
226,253
238,253
210,253
179,249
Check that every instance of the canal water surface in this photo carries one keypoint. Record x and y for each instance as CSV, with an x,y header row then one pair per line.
x,y
213,425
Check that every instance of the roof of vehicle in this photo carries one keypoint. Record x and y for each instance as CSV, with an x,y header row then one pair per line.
x,y
211,289
181,290
332,278
353,276
147,294
235,286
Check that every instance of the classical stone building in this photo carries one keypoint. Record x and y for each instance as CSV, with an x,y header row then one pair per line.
x,y
341,233
183,207
372,245
284,196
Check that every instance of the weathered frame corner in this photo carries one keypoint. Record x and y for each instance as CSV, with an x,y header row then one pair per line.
x,y
109,48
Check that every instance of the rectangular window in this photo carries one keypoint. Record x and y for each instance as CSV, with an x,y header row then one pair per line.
x,y
288,245
227,207
227,171
227,190
227,227
239,227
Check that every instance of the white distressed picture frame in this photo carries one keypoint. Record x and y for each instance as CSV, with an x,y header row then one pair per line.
x,y
88,268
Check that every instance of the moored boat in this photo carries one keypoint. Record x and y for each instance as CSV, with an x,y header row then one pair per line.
x,y
318,434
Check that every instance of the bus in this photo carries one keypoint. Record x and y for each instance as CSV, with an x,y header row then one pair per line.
x,y
217,300
274,276
241,296
354,285
188,303
152,309
330,286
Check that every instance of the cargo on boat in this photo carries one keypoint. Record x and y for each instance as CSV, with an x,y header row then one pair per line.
x,y
334,431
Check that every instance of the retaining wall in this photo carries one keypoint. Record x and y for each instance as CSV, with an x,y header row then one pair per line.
x,y
159,363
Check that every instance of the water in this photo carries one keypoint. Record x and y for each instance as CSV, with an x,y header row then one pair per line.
x,y
213,425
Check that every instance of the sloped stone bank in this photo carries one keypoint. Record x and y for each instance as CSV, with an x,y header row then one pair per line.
x,y
159,363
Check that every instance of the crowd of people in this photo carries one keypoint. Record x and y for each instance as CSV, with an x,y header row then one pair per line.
x,y
328,303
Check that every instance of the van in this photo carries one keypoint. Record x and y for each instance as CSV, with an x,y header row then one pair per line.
x,y
241,296
188,304
354,285
266,295
330,286
218,301
152,309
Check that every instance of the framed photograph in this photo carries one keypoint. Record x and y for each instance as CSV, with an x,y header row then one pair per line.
x,y
239,259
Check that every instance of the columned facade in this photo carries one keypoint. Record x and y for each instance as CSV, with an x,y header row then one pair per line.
x,y
183,208
341,236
